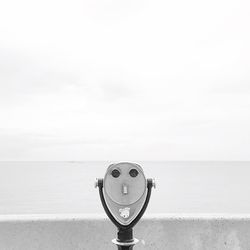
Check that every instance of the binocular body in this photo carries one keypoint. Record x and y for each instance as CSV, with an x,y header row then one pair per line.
x,y
125,190
125,193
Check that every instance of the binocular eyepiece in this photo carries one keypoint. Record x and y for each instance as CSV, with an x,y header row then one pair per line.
x,y
125,193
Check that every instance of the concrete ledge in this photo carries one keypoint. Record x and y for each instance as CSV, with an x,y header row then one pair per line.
x,y
170,232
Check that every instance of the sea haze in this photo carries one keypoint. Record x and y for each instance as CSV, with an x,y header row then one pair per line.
x,y
68,187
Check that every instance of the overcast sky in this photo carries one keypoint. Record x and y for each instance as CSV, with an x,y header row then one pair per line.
x,y
124,80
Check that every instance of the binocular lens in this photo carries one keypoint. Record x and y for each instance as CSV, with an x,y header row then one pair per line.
x,y
115,173
133,172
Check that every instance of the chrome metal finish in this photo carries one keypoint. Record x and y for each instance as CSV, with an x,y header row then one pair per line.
x,y
132,243
153,183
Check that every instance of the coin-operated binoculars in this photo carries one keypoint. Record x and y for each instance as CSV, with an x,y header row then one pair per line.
x,y
125,193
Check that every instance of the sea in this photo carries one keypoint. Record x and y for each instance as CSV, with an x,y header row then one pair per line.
x,y
68,187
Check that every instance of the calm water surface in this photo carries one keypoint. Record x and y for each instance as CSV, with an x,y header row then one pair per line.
x,y
68,187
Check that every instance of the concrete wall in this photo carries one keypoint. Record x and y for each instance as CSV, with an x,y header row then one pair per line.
x,y
78,232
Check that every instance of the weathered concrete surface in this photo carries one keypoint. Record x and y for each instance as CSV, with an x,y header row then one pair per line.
x,y
78,232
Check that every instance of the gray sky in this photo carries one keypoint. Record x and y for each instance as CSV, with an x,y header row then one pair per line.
x,y
124,80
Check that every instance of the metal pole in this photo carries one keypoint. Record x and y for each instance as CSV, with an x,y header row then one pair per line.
x,y
125,247
125,240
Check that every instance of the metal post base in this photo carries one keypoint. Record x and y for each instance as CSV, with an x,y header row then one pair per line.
x,y
125,239
125,245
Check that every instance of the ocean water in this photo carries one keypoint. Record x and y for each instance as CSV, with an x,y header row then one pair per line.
x,y
68,187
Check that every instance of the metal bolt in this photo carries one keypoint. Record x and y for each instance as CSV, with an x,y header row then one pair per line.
x,y
153,183
96,183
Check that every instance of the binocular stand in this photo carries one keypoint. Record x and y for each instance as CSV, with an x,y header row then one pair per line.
x,y
125,240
